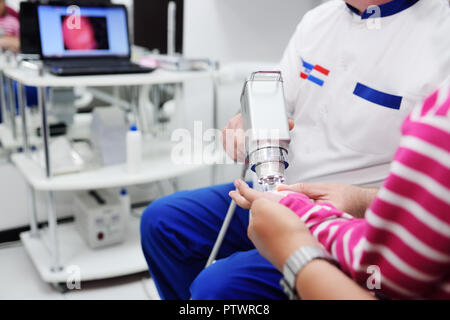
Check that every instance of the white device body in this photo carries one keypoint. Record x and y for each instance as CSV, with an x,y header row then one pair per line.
x,y
266,127
100,224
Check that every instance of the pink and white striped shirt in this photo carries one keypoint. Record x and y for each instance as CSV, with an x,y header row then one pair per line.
x,y
9,25
406,230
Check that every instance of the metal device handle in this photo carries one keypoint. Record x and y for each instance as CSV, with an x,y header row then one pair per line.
x,y
225,225
254,74
253,77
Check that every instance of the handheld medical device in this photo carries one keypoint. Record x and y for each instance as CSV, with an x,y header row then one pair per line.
x,y
267,137
266,127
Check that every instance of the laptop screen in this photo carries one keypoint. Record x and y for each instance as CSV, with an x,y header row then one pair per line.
x,y
83,31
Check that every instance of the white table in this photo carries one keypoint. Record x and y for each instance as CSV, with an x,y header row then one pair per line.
x,y
31,78
44,246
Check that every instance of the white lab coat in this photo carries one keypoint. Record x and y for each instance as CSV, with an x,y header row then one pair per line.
x,y
347,121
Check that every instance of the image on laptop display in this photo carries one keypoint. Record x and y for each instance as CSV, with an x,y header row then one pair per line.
x,y
94,32
91,33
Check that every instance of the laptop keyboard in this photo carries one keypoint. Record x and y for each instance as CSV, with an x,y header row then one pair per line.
x,y
90,63
79,67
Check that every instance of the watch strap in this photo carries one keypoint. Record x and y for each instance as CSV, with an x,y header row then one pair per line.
x,y
296,262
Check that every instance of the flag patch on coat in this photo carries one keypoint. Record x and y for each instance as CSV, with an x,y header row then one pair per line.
x,y
314,73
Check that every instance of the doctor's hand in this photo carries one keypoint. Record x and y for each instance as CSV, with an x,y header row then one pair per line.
x,y
244,196
233,138
277,232
351,199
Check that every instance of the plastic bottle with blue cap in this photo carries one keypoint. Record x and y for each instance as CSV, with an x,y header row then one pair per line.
x,y
134,150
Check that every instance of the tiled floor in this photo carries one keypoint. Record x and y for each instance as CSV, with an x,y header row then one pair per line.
x,y
20,280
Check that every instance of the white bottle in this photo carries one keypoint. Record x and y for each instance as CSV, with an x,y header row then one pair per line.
x,y
125,202
134,150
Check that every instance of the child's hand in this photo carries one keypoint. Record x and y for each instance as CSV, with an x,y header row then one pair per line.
x,y
244,195
274,229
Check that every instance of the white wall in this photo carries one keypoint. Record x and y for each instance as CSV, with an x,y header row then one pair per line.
x,y
15,202
241,30
13,206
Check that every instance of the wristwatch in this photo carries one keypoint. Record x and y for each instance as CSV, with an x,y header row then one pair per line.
x,y
296,262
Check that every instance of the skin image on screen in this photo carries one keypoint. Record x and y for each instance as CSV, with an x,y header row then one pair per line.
x,y
88,33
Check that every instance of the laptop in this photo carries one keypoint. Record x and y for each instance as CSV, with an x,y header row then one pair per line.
x,y
86,40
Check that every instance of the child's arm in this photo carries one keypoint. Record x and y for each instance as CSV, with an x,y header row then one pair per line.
x,y
320,280
406,232
277,233
405,236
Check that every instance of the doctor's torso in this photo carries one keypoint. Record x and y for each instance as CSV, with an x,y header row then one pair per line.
x,y
350,82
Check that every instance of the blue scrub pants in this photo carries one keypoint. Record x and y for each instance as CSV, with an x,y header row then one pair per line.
x,y
177,235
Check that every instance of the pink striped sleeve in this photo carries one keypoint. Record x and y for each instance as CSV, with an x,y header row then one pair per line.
x,y
338,232
406,231
10,25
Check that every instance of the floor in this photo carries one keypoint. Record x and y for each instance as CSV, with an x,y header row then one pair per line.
x,y
20,280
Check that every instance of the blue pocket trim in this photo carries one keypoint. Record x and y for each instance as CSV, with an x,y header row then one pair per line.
x,y
381,98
